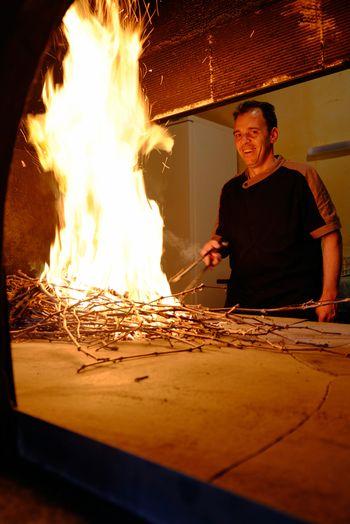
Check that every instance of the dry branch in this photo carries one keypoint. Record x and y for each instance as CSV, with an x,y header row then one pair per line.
x,y
102,319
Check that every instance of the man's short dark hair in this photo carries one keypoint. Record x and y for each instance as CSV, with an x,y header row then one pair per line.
x,y
267,110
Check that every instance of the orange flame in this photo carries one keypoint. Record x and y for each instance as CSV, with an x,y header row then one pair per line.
x,y
94,130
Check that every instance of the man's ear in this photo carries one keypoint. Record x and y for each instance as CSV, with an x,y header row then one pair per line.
x,y
274,135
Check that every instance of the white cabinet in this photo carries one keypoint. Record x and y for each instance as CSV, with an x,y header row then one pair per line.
x,y
187,185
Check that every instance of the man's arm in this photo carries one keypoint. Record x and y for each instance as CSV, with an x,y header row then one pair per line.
x,y
332,254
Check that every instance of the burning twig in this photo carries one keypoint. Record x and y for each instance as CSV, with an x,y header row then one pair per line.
x,y
103,320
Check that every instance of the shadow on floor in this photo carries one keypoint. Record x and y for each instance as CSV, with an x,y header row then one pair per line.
x,y
29,495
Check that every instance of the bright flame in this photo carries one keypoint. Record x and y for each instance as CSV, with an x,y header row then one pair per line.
x,y
94,130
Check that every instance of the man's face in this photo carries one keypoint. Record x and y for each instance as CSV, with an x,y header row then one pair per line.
x,y
253,140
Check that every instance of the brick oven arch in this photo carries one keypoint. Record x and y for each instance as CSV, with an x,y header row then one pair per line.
x,y
25,34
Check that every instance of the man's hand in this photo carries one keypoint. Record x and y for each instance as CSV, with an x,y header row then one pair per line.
x,y
326,313
210,253
332,260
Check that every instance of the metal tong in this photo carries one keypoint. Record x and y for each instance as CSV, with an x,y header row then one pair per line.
x,y
185,270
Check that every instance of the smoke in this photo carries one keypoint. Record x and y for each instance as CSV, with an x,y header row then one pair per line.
x,y
186,250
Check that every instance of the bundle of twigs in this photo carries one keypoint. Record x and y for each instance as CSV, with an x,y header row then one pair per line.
x,y
97,319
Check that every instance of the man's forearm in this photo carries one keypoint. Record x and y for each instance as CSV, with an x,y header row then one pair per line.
x,y
332,254
332,260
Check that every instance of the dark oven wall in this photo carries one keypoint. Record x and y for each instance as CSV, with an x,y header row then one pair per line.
x,y
26,27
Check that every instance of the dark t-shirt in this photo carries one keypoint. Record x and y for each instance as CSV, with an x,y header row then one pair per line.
x,y
273,224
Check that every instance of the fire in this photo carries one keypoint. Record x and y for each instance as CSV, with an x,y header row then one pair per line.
x,y
95,128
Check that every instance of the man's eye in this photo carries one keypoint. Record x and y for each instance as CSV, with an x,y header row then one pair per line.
x,y
237,136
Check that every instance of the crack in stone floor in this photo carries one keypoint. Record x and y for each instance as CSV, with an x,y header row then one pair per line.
x,y
275,441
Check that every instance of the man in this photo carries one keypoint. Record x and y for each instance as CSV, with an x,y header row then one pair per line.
x,y
281,226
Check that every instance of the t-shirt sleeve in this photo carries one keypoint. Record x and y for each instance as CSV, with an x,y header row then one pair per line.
x,y
312,219
326,210
219,231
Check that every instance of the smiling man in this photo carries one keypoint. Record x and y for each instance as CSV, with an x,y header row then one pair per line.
x,y
280,224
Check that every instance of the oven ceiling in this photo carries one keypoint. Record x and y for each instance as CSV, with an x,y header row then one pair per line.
x,y
204,53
